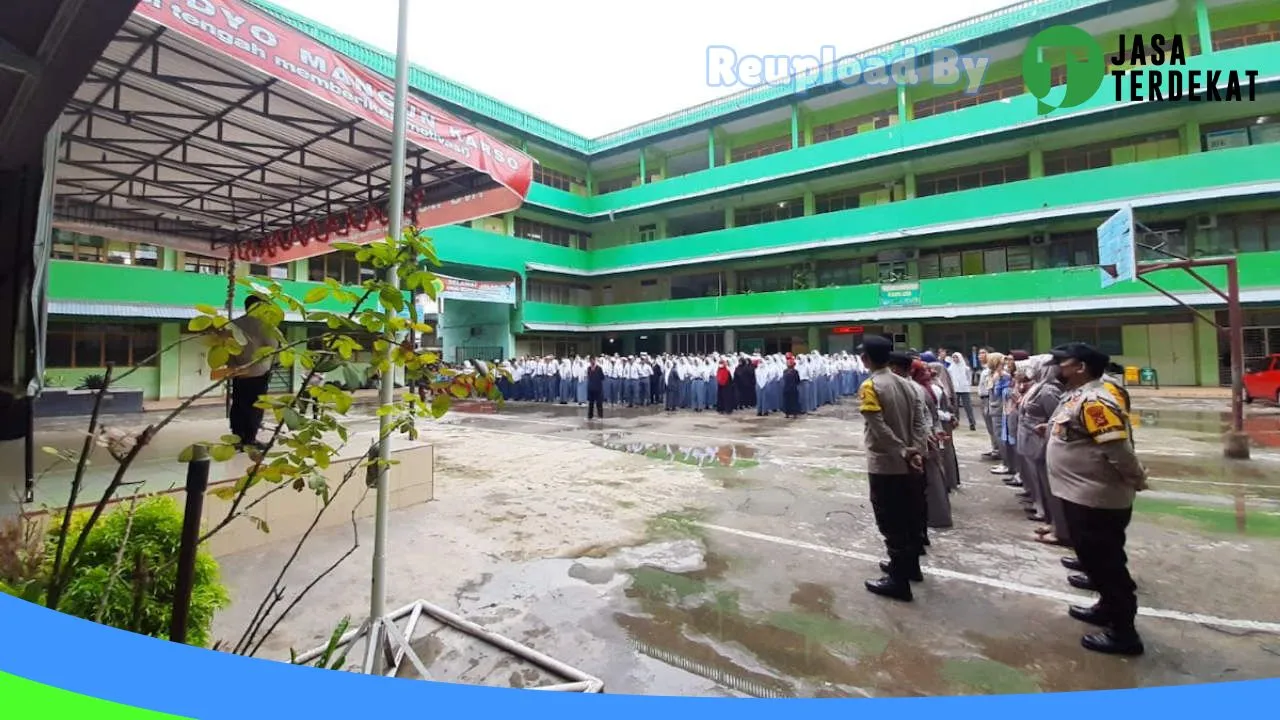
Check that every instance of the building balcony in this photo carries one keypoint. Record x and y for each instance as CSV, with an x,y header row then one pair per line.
x,y
972,125
1035,292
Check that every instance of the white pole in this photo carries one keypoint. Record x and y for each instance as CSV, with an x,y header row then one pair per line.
x,y
378,594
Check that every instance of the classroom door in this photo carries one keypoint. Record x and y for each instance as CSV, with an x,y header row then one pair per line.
x,y
1172,351
193,371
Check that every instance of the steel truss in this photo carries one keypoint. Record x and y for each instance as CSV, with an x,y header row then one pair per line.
x,y
168,138
396,645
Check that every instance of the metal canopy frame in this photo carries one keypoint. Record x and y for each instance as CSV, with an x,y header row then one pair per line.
x,y
170,142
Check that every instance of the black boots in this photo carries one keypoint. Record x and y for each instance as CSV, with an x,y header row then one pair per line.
x,y
890,588
1114,642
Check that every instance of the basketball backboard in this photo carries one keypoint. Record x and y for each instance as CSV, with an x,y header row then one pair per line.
x,y
1117,250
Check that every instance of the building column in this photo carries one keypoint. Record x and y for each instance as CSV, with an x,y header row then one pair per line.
x,y
795,126
730,340
1204,30
730,282
169,363
299,270
668,342
728,218
170,259
591,181
904,108
1041,334
810,203
1207,350
711,148
1035,163
1191,137
644,170
815,338
909,180
509,220
915,335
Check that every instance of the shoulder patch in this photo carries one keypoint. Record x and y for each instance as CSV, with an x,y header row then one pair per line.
x,y
1102,422
868,399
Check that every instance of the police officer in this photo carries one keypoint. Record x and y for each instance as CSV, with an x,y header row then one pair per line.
x,y
894,437
1093,469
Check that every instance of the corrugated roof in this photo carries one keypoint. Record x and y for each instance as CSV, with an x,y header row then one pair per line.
x,y
423,80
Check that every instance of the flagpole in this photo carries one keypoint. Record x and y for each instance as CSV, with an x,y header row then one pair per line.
x,y
395,211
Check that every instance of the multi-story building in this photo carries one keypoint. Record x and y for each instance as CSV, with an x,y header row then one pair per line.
x,y
774,220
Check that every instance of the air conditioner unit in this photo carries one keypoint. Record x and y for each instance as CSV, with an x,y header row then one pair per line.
x,y
1206,222
1040,239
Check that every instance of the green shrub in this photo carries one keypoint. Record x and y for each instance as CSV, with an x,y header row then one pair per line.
x,y
140,597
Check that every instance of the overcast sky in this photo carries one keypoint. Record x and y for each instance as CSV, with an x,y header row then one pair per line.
x,y
594,67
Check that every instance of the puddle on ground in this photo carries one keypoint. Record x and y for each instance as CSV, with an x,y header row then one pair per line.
x,y
740,456
1263,430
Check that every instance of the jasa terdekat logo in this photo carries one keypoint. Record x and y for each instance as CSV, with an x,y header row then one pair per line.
x,y
1143,69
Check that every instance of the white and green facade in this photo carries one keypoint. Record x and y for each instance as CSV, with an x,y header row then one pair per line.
x,y
774,220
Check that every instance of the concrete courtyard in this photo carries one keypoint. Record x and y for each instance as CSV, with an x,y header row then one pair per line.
x,y
697,554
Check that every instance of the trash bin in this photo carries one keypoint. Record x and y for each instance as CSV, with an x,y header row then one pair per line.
x,y
1149,376
1131,375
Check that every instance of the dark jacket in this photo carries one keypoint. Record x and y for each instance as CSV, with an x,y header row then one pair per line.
x,y
595,379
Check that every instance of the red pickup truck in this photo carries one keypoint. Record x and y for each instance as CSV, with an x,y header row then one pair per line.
x,y
1262,381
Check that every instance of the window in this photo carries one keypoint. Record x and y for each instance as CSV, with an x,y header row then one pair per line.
x,y
989,92
341,266
973,177
853,126
1106,334
760,149
1066,250
648,233
852,198
554,178
1241,132
204,265
684,287
91,345
768,212
773,279
607,186
1245,35
697,343
280,272
839,273
558,293
551,234
1242,233
1113,152
86,248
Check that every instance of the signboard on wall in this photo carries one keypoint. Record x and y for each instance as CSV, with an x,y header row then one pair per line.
x,y
900,295
502,293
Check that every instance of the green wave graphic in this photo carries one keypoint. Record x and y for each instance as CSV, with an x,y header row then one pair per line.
x,y
21,699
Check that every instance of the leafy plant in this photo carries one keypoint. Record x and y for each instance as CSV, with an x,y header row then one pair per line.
x,y
329,659
125,576
96,381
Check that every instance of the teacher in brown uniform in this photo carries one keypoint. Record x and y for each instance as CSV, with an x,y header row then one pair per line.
x,y
1094,470
894,436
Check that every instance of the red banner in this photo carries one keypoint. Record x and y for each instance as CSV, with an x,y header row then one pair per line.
x,y
253,38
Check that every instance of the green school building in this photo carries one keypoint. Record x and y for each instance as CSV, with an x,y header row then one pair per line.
x,y
781,220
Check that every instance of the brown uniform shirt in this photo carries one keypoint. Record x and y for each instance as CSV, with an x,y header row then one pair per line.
x,y
892,422
1090,458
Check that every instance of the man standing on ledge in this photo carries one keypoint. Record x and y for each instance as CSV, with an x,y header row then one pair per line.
x,y
1093,468
250,377
895,466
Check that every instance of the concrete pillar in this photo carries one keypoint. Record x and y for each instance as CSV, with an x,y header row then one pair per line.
x,y
644,170
915,335
169,261
668,342
510,220
795,126
728,217
298,270
1041,335
1035,163
168,362
591,182
1191,137
730,282
904,107
909,180
810,203
711,148
1205,32
815,338
730,340
1207,350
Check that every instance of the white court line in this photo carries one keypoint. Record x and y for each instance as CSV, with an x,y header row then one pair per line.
x,y
1196,618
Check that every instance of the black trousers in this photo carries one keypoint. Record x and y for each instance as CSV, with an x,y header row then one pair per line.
x,y
245,418
1099,538
895,499
595,404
